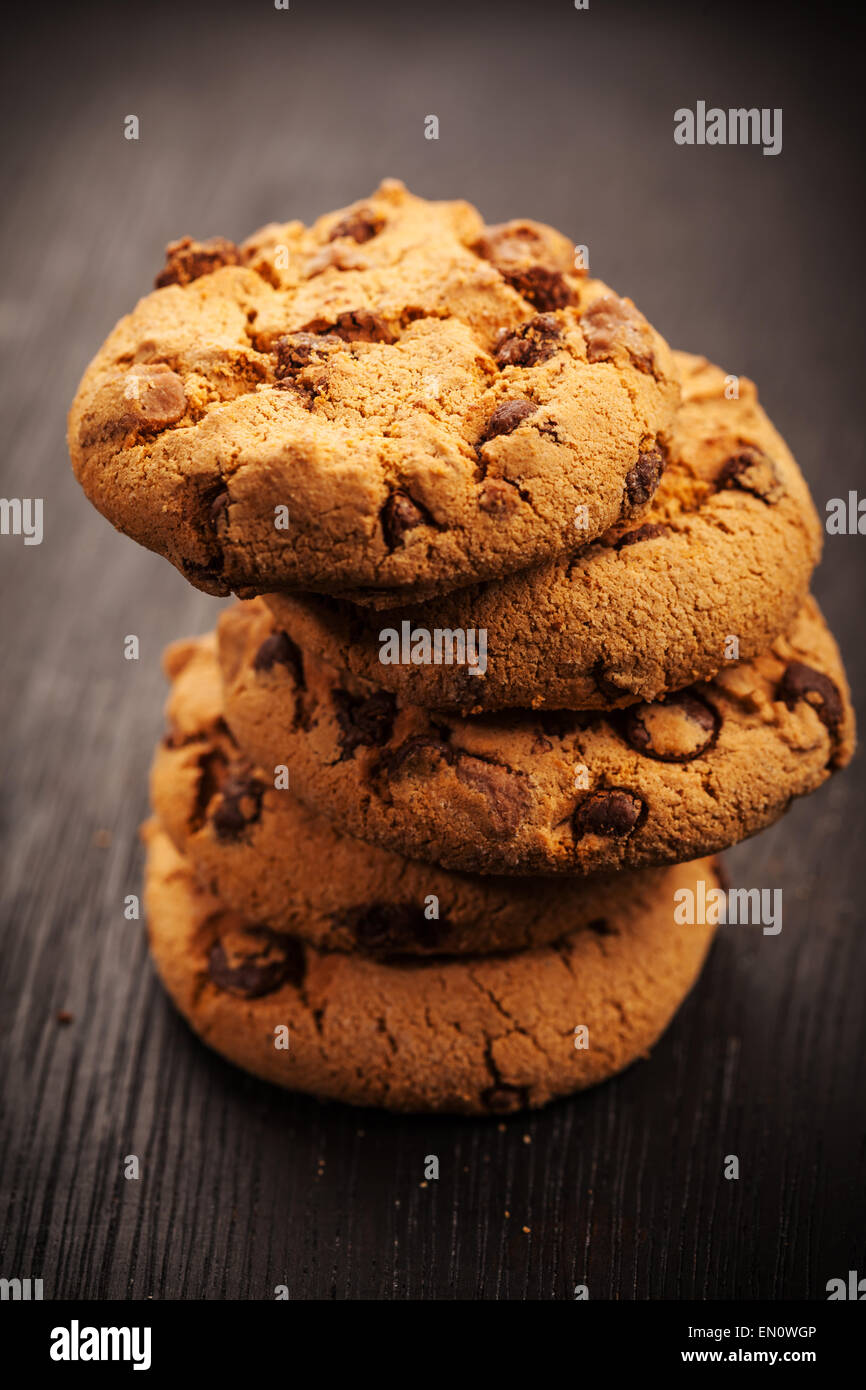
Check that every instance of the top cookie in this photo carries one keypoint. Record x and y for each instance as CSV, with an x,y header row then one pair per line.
x,y
717,568
398,398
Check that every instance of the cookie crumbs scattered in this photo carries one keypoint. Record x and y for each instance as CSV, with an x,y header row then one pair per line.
x,y
423,1184
101,839
501,1127
526,1230
527,1139
64,1016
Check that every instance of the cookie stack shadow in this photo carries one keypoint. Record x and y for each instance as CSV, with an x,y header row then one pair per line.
x,y
448,844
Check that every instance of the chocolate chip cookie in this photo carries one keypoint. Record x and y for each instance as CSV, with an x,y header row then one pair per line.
x,y
398,398
262,853
479,1035
723,556
544,791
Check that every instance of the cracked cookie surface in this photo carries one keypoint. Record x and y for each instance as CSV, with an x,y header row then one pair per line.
x,y
481,1035
398,398
552,791
725,550
262,853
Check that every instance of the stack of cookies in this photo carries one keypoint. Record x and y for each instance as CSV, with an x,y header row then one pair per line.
x,y
525,638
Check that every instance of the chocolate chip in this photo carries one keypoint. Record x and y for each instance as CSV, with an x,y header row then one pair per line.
x,y
503,1099
211,771
802,682
380,928
613,811
504,790
546,289
506,418
675,729
355,326
361,225
153,396
532,344
414,756
399,515
650,532
218,508
751,471
513,245
365,721
280,650
533,259
254,961
213,508
642,481
294,351
188,260
606,687
303,393
239,807
612,326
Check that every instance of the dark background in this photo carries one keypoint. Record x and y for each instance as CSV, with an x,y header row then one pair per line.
x,y
248,115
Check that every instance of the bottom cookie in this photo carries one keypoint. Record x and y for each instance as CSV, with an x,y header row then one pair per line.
x,y
476,1035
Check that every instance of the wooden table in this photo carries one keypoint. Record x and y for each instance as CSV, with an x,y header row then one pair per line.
x,y
249,114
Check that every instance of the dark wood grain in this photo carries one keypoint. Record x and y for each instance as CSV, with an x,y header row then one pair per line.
x,y
248,115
